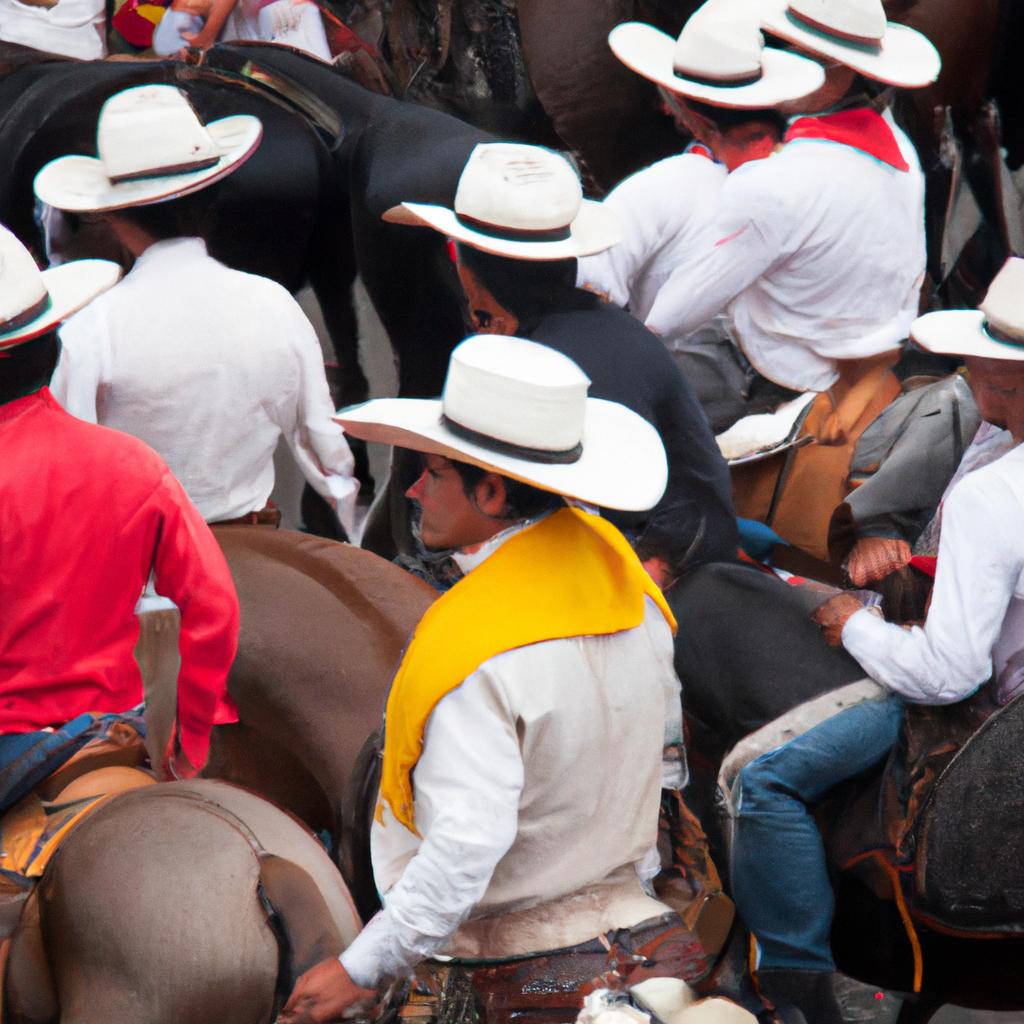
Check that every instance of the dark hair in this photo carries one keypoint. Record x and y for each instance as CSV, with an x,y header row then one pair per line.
x,y
190,215
523,501
27,367
724,118
526,288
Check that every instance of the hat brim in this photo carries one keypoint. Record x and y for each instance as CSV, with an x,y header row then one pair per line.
x,y
961,332
649,52
593,230
622,466
905,58
79,184
70,287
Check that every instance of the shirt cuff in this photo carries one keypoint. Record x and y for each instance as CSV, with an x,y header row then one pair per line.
x,y
861,630
361,959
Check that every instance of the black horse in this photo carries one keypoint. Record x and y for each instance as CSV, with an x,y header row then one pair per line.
x,y
283,214
304,209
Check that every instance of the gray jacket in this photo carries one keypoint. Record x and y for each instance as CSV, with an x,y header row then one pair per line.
x,y
906,457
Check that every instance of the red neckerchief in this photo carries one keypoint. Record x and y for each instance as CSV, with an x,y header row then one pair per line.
x,y
699,149
863,129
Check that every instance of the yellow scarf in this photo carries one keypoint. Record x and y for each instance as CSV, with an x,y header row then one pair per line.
x,y
571,574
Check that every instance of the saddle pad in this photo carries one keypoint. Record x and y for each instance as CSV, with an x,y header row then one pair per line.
x,y
31,831
763,434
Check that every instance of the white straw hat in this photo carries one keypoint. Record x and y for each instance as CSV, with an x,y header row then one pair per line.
x,y
993,331
32,301
521,409
855,33
151,147
525,202
719,58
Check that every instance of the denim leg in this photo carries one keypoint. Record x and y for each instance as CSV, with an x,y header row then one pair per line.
x,y
779,874
29,757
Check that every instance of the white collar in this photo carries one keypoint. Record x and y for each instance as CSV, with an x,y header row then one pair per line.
x,y
168,245
467,560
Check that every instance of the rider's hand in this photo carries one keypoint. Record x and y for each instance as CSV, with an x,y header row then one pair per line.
x,y
198,40
832,616
178,766
175,763
323,994
874,558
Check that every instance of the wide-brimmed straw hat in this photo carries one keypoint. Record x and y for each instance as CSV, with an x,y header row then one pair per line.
x,y
719,58
32,301
855,33
993,331
521,409
151,146
525,202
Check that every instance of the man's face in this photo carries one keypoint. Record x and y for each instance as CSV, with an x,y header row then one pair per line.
x,y
449,518
486,314
998,389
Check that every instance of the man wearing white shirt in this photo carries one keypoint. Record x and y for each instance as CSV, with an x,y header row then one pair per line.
x,y
973,635
208,365
506,827
816,252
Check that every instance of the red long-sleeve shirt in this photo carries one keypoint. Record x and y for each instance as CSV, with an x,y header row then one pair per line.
x,y
85,514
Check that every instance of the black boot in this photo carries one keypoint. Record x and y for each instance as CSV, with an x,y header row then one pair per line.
x,y
827,997
810,992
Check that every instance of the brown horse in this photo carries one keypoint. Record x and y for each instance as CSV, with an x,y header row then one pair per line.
x,y
186,901
323,626
229,899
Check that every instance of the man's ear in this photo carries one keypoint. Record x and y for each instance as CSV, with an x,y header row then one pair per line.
x,y
491,496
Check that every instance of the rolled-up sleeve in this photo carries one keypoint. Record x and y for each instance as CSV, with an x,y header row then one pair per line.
x,y
978,567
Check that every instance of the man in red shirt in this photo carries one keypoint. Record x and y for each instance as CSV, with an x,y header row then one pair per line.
x,y
86,515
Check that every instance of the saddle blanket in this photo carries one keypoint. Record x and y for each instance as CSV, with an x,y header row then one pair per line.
x,y
36,767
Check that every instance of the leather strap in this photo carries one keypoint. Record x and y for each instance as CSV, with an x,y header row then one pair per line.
x,y
269,515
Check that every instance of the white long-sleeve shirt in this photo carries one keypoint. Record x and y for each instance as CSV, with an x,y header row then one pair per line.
x,y
817,252
975,624
74,28
209,366
663,210
518,804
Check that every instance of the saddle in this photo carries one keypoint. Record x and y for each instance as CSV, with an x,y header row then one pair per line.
x,y
797,491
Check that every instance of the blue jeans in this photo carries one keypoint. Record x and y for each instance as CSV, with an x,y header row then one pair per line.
x,y
779,874
26,758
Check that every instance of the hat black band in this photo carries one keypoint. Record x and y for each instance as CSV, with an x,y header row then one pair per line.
x,y
863,43
514,234
32,313
165,172
1001,336
515,451
719,83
